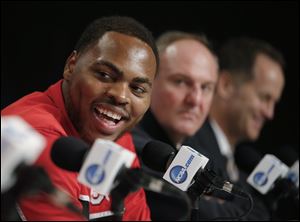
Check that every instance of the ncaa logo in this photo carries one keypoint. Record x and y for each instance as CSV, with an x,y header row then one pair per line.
x,y
95,174
260,178
178,174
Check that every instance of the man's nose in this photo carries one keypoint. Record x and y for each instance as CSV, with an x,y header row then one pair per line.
x,y
268,110
194,96
119,92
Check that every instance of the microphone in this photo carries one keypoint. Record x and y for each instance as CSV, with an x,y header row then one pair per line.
x,y
274,179
287,154
97,168
268,171
246,158
21,145
183,169
197,179
122,180
158,155
75,149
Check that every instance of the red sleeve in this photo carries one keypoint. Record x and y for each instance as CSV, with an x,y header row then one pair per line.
x,y
136,207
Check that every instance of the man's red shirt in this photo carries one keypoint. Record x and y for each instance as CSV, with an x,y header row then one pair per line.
x,y
45,111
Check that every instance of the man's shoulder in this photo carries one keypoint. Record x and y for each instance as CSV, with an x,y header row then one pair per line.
x,y
37,109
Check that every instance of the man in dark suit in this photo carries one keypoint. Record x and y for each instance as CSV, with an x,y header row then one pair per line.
x,y
180,102
250,84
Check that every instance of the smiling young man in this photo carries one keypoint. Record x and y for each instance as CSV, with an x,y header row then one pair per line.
x,y
105,91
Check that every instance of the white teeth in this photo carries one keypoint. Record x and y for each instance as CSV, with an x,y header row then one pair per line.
x,y
109,114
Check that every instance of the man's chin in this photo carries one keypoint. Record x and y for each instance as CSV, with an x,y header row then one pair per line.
x,y
253,136
187,132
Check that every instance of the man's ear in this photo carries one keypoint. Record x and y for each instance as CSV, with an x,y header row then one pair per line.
x,y
69,66
226,85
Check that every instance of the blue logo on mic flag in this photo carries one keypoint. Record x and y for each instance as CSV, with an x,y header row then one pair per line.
x,y
261,178
178,174
95,174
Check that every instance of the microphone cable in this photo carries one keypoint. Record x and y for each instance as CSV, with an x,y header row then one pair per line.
x,y
207,181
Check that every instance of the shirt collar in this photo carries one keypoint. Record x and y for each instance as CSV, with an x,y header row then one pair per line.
x,y
55,94
224,145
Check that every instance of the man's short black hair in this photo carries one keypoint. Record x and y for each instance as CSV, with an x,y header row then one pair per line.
x,y
238,55
121,24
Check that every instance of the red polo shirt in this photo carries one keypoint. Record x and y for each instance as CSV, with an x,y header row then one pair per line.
x,y
46,112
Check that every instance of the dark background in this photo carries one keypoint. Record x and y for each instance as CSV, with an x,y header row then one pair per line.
x,y
37,37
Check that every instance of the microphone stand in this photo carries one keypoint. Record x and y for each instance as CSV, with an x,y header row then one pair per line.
x,y
201,185
128,181
31,180
207,181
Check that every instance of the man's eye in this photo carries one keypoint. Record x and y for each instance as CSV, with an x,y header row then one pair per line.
x,y
138,90
207,88
104,76
179,81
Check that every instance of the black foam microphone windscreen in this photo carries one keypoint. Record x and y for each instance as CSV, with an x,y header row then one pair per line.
x,y
156,155
287,154
68,153
247,158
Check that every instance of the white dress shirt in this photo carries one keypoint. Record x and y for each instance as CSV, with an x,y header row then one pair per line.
x,y
226,150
